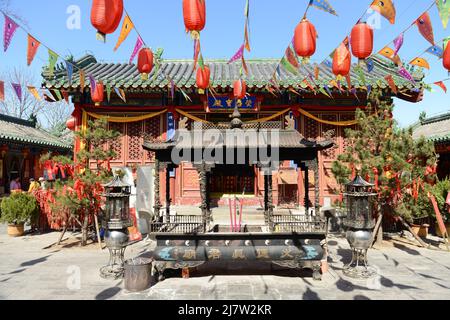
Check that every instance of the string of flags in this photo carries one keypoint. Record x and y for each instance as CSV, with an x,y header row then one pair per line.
x,y
239,55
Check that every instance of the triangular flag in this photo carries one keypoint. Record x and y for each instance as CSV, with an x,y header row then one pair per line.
x,y
52,60
18,90
391,83
238,55
35,93
2,91
425,27
398,43
49,96
386,8
322,91
127,26
292,58
328,91
349,81
108,92
287,66
420,62
121,94
82,80
33,46
185,95
323,5
244,65
405,74
137,47
442,85
69,68
444,11
58,95
10,29
246,37
370,65
316,72
92,82
436,50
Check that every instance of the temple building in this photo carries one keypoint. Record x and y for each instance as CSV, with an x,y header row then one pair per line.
x,y
151,110
437,130
21,146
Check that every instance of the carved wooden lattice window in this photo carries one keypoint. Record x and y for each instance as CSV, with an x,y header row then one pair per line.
x,y
311,128
345,142
331,153
152,129
134,131
117,145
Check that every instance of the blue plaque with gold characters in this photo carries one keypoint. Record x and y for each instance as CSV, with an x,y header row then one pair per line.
x,y
227,103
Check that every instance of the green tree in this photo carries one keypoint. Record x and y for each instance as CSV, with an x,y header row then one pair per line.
x,y
79,199
383,153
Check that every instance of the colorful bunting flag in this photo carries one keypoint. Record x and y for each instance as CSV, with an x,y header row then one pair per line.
x,y
33,46
316,72
92,82
2,91
398,43
328,63
405,74
127,26
444,11
386,8
391,83
369,89
69,68
244,65
325,93
58,95
10,29
18,90
238,55
108,92
420,62
82,80
309,85
121,94
436,50
287,66
389,53
370,65
323,5
35,93
246,30
137,47
425,27
328,90
52,60
292,58
441,85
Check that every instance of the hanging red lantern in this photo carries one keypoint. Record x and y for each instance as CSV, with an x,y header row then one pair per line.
x,y
194,13
362,40
202,79
145,62
446,57
106,16
305,39
71,123
97,95
240,89
342,60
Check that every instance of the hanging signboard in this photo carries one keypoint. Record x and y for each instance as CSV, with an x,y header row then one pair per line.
x,y
227,103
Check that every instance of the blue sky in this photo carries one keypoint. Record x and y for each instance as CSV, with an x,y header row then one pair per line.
x,y
272,26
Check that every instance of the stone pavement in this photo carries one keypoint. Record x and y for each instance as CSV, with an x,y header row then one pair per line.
x,y
31,269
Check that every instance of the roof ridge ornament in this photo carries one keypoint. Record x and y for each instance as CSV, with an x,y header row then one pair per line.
x,y
236,122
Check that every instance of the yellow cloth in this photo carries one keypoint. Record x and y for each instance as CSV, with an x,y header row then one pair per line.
x,y
276,115
333,123
125,119
189,116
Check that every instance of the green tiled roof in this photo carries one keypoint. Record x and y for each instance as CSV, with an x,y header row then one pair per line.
x,y
435,129
17,130
222,75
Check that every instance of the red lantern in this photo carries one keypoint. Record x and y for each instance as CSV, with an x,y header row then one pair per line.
x,y
240,89
97,94
446,57
194,13
203,76
342,60
305,39
362,40
106,16
71,123
145,62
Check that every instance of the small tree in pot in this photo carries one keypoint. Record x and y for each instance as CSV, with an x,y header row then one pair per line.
x,y
16,210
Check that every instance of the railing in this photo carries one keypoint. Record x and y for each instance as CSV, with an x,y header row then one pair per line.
x,y
179,224
298,223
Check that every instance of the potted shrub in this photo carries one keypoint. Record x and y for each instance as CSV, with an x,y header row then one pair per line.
x,y
16,210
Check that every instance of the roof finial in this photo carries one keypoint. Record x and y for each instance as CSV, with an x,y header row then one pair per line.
x,y
236,122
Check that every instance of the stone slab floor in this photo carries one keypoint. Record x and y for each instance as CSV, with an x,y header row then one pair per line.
x,y
31,268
